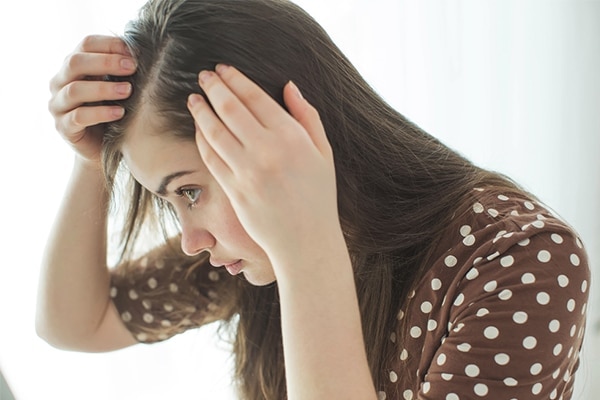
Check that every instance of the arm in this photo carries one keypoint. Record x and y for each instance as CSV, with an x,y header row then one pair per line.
x,y
74,311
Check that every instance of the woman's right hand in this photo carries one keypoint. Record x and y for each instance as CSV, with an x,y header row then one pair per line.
x,y
79,84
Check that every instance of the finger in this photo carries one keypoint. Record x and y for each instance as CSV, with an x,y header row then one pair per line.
x,y
103,44
77,93
234,114
80,65
73,122
307,116
214,132
262,106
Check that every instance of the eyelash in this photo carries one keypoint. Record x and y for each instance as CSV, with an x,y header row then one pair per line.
x,y
184,192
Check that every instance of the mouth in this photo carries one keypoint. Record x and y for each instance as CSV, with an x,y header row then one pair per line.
x,y
233,267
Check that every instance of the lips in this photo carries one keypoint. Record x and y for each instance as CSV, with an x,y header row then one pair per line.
x,y
222,263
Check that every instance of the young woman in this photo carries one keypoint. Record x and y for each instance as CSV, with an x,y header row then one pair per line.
x,y
356,256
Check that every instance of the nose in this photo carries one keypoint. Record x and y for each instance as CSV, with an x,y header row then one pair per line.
x,y
196,240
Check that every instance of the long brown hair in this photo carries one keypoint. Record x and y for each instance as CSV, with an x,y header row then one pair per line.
x,y
397,185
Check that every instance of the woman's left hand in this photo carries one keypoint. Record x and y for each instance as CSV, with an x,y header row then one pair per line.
x,y
275,167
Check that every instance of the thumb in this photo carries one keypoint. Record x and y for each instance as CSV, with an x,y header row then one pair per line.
x,y
307,116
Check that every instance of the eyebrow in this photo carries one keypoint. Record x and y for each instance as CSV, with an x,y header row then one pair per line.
x,y
162,189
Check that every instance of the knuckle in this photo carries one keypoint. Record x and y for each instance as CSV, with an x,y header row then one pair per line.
x,y
70,90
76,118
73,61
87,43
228,106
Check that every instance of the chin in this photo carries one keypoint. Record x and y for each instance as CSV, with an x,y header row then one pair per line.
x,y
258,279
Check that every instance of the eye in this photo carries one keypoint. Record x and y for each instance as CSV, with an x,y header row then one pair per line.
x,y
190,194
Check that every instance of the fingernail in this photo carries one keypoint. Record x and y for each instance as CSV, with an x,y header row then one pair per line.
x,y
205,76
296,90
123,88
221,68
194,99
118,112
127,63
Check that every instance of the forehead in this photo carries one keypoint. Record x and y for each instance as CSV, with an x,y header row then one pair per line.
x,y
151,152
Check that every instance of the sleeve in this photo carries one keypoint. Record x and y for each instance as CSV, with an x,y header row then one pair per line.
x,y
165,293
516,324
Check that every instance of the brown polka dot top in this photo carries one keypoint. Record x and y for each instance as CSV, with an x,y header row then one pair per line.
x,y
500,314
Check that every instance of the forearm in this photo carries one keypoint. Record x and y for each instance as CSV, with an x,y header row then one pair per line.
x,y
322,335
74,279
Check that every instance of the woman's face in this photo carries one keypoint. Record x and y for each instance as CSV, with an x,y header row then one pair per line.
x,y
173,170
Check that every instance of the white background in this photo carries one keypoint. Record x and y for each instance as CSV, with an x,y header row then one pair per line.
x,y
512,84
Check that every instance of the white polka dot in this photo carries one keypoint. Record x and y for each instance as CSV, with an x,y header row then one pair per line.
x,y
524,242
163,336
126,316
536,389
528,278
571,305
113,292
415,332
520,317
554,325
556,373
515,213
144,262
477,260
441,359
490,286
160,264
544,256
502,358
529,342
556,238
426,307
510,381
543,298
505,295
404,355
464,347
147,304
557,349
553,394
431,325
408,394
472,370
142,337
524,227
492,256
572,331
469,240
458,327
381,395
400,315
448,377
529,205
493,212
213,276
465,230
173,288
502,197
133,295
450,261
165,323
491,332
538,224
152,283
436,284
481,389
570,352
452,396
426,387
507,261
535,369
459,299
482,312
148,318
472,274
477,208
584,286
393,337
563,281
574,258
579,244
393,377
411,294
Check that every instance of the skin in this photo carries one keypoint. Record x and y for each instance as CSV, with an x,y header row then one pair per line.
x,y
208,222
269,199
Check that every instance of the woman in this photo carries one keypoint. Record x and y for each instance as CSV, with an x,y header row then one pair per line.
x,y
362,257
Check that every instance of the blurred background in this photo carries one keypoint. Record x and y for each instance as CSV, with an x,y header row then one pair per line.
x,y
512,84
